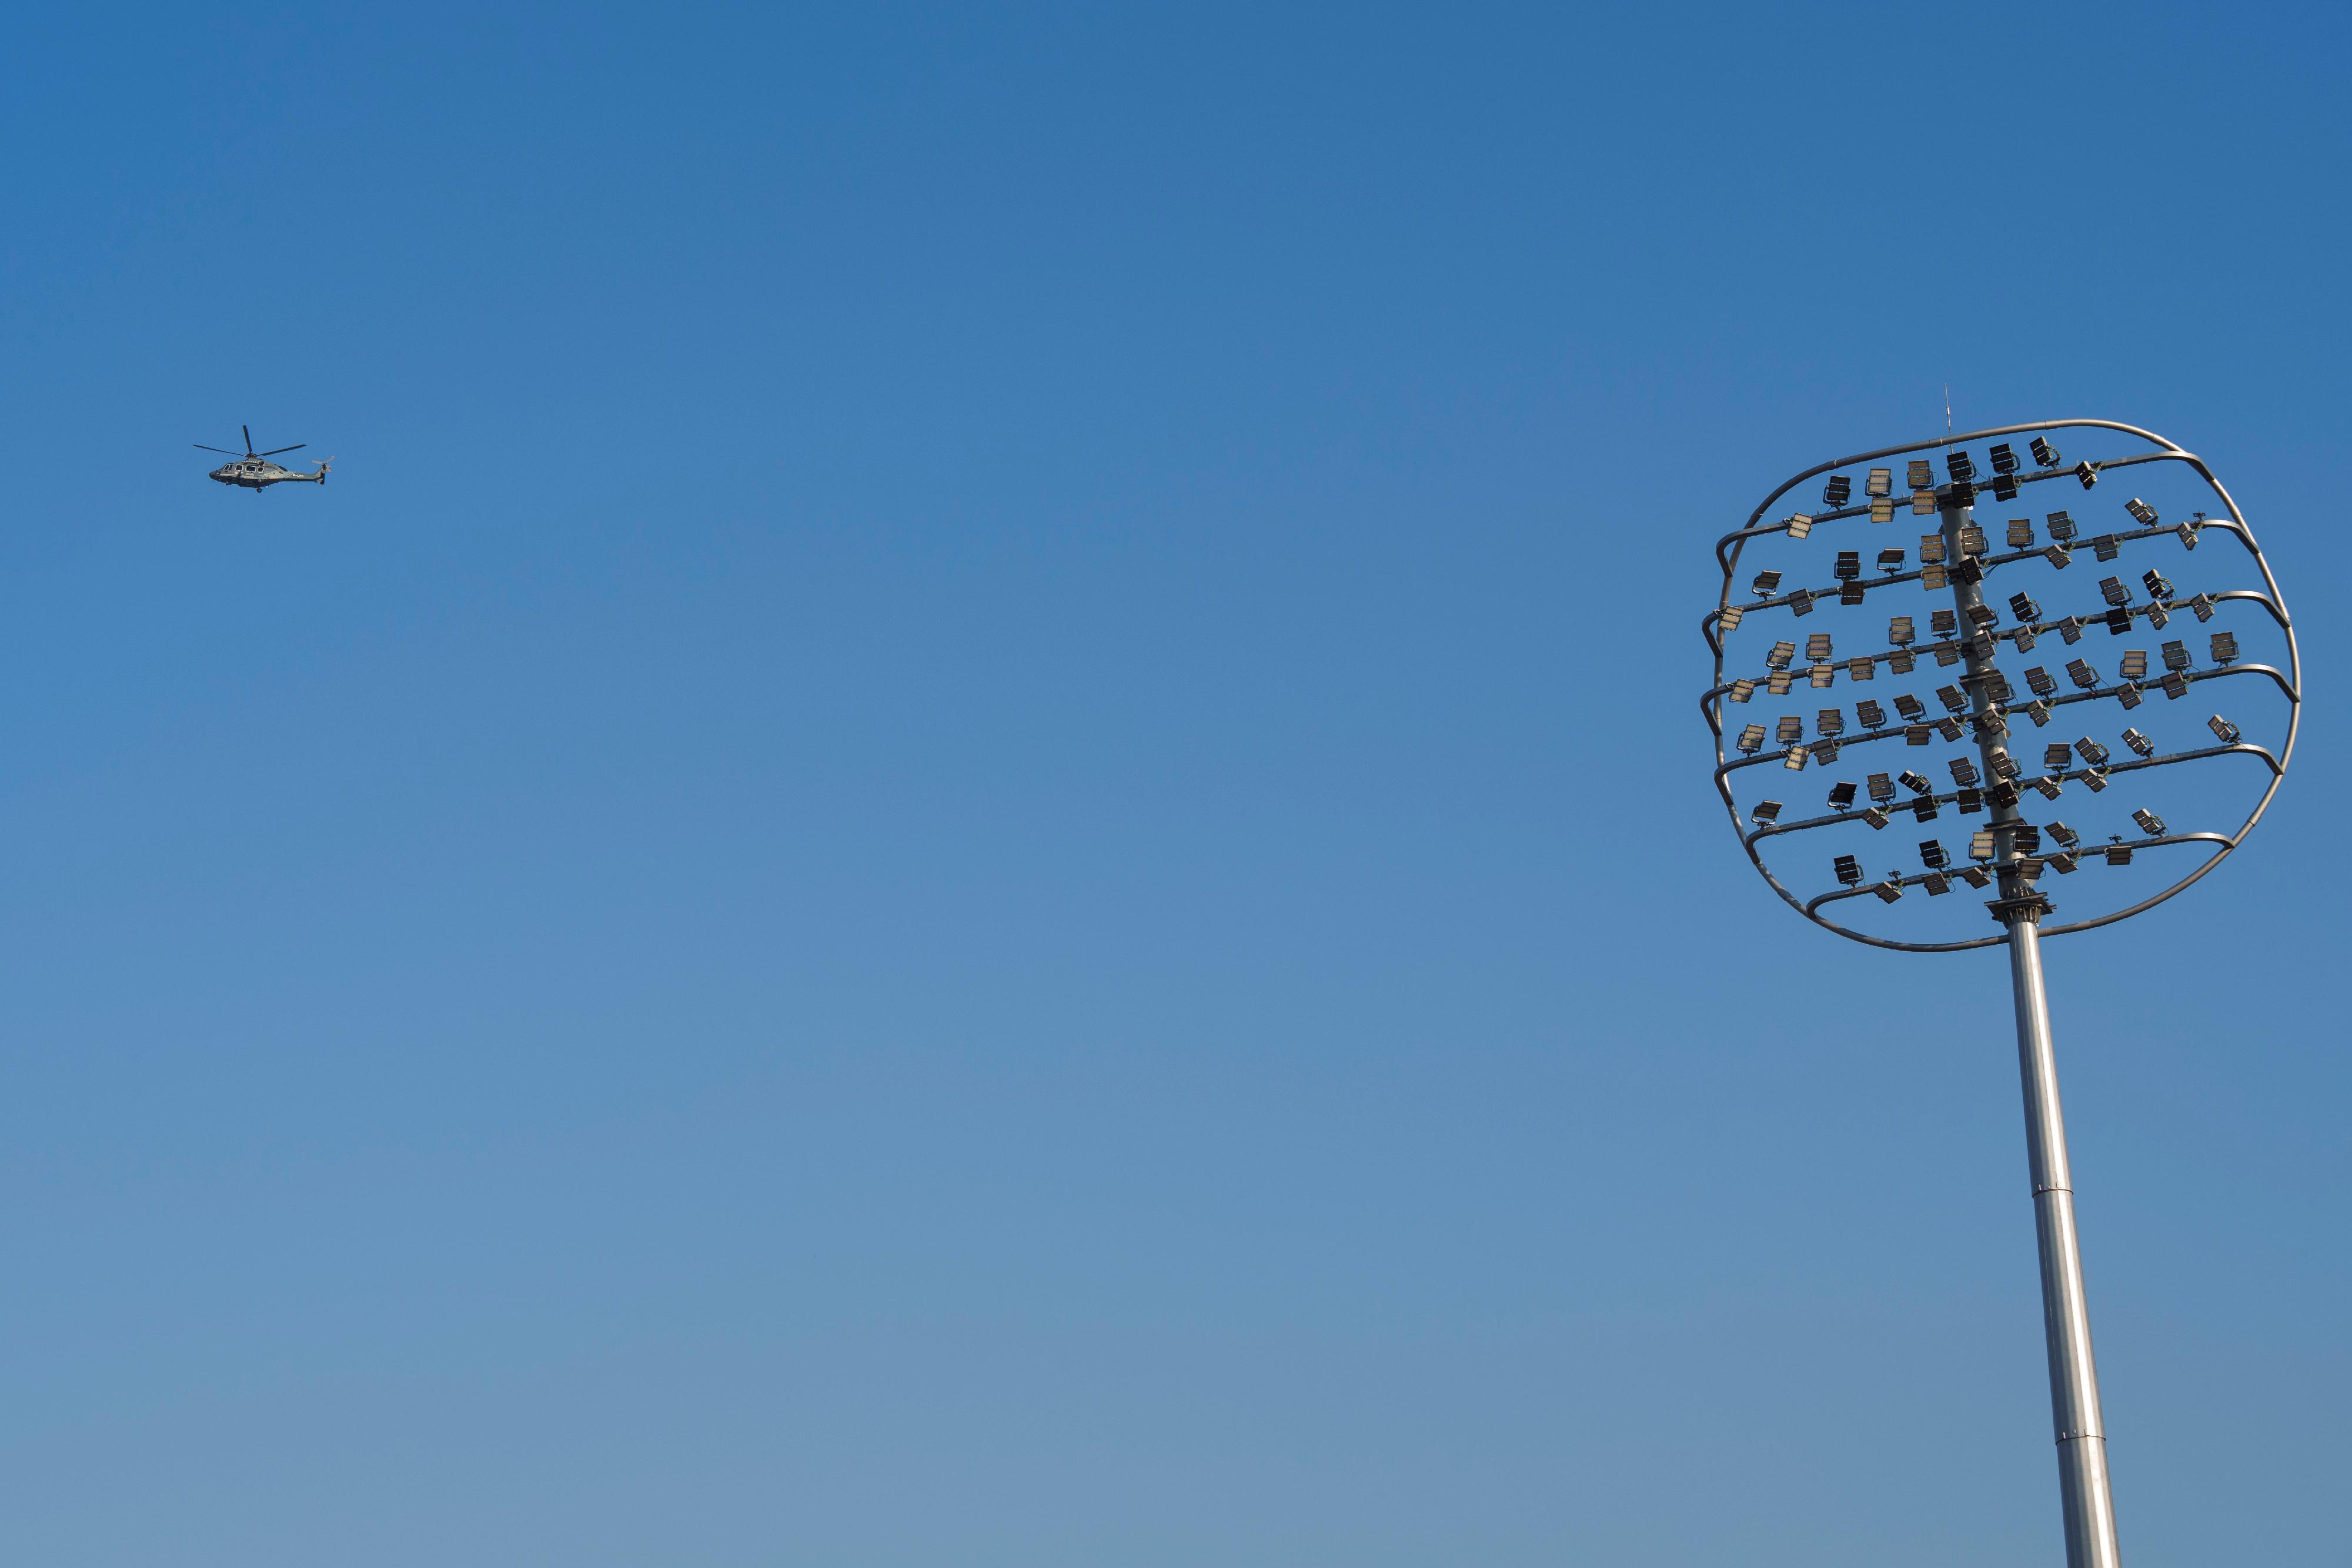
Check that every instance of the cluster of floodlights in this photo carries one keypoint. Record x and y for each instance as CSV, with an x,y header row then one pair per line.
x,y
1972,677
1985,694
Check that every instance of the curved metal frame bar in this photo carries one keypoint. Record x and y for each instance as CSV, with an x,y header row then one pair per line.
x,y
1727,553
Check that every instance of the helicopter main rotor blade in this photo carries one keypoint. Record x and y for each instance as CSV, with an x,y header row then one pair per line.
x,y
276,450
248,440
223,450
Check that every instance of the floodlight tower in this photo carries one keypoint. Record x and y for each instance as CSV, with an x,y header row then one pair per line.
x,y
2007,853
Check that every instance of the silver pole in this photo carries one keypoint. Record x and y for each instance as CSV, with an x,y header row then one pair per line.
x,y
2082,1487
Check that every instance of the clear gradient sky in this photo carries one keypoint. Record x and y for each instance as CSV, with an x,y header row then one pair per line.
x,y
974,833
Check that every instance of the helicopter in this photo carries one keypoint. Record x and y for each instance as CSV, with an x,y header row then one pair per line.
x,y
253,472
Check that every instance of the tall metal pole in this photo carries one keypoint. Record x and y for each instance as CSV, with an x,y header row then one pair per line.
x,y
2084,1492
2083,1488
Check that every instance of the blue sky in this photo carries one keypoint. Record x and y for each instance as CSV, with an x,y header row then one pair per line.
x,y
974,829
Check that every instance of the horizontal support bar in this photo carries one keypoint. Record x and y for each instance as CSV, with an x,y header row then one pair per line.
x,y
2085,854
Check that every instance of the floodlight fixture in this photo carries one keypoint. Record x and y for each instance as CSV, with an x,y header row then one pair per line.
x,y
1766,813
1781,652
1956,563
1817,647
1766,585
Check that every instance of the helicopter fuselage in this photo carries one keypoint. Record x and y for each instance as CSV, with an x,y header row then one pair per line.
x,y
255,473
